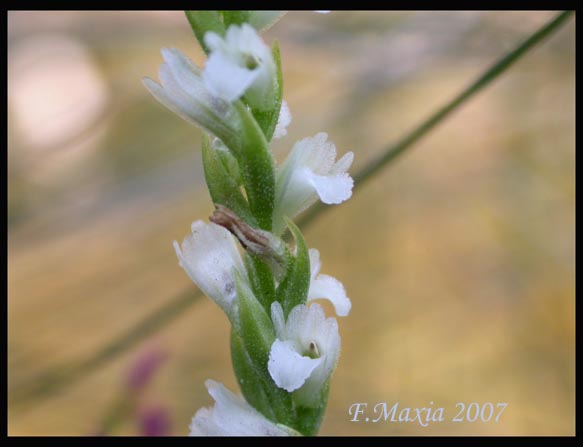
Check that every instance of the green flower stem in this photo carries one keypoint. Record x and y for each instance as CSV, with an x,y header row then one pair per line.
x,y
57,378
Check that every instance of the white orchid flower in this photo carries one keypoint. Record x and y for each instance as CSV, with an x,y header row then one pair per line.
x,y
310,172
183,91
240,64
210,256
305,351
233,416
328,287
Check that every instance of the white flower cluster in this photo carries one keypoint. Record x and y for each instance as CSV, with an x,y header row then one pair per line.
x,y
307,344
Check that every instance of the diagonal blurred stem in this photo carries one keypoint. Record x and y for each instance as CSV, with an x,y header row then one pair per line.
x,y
62,376
389,154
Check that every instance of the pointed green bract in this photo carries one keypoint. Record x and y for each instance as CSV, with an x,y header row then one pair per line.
x,y
222,182
258,387
257,168
255,326
293,289
267,118
251,383
251,346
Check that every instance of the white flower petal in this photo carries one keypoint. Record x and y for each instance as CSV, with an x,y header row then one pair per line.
x,y
183,92
330,288
202,424
184,72
315,263
332,190
213,41
175,101
289,370
305,322
232,416
162,95
209,255
327,287
283,121
278,319
224,78
343,164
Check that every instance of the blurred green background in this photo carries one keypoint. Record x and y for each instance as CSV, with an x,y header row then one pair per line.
x,y
459,258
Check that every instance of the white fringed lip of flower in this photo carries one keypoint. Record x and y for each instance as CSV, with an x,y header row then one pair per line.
x,y
327,287
309,173
209,255
240,64
233,416
305,351
182,90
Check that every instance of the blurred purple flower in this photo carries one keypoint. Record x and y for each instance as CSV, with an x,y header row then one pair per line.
x,y
154,421
144,368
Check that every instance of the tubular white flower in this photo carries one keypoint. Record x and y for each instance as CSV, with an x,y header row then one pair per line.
x,y
310,172
240,64
209,256
183,92
328,287
233,416
282,121
305,352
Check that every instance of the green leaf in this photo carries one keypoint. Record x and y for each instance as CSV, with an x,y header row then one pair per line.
x,y
235,17
231,165
293,289
257,167
202,22
261,279
255,326
267,117
223,184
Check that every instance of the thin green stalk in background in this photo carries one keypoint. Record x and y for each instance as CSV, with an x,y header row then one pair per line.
x,y
58,378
